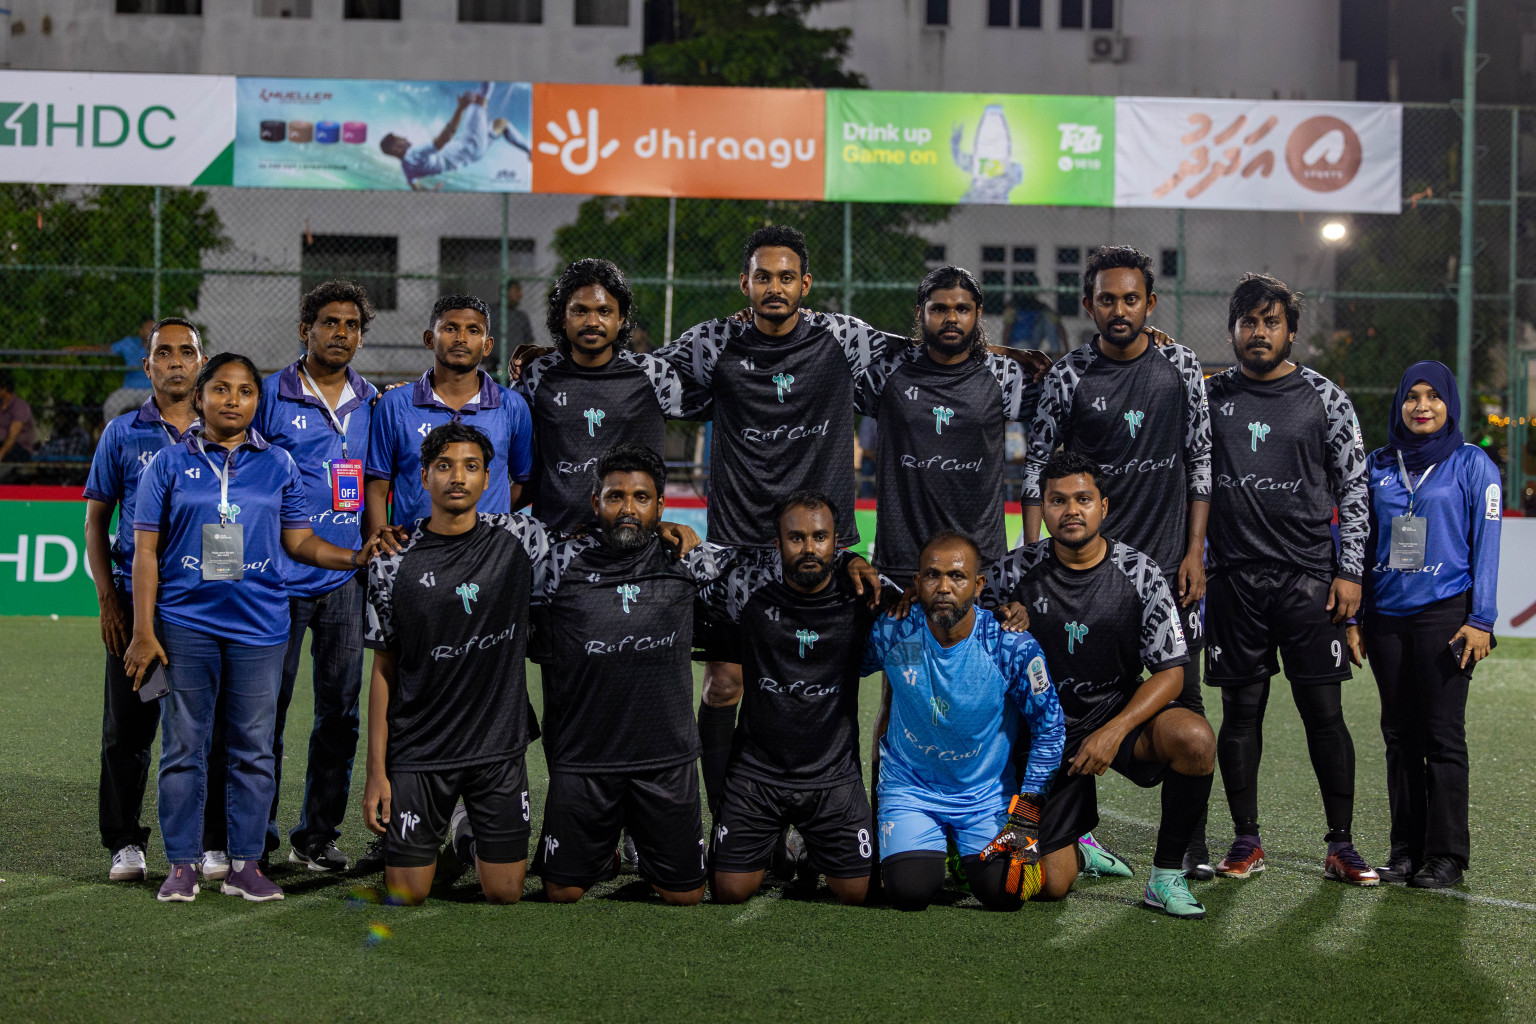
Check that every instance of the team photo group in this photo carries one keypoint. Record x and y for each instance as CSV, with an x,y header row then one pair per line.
x,y
1185,539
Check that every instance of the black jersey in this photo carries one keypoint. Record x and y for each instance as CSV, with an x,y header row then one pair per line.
x,y
783,414
454,610
1145,422
1099,627
618,682
579,413
1285,453
941,450
800,657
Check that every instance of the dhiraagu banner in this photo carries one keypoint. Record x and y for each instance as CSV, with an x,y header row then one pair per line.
x,y
924,147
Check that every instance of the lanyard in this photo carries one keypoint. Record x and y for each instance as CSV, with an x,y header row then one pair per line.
x,y
1402,470
226,510
339,424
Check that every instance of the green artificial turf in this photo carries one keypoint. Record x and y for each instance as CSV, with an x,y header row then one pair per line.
x,y
1284,946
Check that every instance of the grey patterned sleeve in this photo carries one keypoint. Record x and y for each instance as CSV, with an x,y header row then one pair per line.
x,y
527,384
708,562
1197,428
870,385
550,552
665,381
862,344
1052,409
1162,637
1020,390
380,633
1004,574
692,357
730,594
1348,475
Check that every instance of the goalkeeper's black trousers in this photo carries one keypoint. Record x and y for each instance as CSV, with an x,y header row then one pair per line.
x,y
913,880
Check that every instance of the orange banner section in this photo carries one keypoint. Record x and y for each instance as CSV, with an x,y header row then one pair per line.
x,y
679,141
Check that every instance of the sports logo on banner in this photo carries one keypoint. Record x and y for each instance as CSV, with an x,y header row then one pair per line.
x,y
675,141
1258,155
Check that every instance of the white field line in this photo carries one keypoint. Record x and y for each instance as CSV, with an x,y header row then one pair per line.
x,y
760,904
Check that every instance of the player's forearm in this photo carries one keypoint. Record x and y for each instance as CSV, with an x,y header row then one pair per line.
x,y
1032,520
1150,697
146,581
379,683
1199,516
375,505
517,495
304,546
98,548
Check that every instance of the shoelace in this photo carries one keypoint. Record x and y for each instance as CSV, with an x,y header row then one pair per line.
x,y
1352,859
1243,847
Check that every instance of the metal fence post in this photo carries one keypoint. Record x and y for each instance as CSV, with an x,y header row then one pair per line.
x,y
847,259
666,320
154,304
1514,465
1464,293
501,329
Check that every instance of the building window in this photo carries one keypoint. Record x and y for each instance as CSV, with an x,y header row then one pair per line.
x,y
1071,13
998,13
1169,263
1023,254
1069,286
370,260
372,10
938,12
994,254
602,12
1029,13
194,7
1101,15
1068,257
1028,280
472,266
934,254
515,12
283,8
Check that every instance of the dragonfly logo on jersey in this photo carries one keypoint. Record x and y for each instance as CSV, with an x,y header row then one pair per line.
x,y
594,420
940,707
782,381
941,418
807,638
627,592
551,844
408,821
1133,420
467,592
1076,631
1258,431
720,833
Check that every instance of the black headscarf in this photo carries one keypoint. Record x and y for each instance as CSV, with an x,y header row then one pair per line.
x,y
1422,451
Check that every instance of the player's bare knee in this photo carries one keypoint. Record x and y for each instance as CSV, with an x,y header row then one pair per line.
x,y
691,898
1058,870
1184,742
563,893
501,895
850,892
733,888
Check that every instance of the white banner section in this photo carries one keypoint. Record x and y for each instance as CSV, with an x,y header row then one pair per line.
x,y
71,128
1258,155
1517,584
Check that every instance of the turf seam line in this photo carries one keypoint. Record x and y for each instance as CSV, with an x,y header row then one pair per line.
x,y
760,905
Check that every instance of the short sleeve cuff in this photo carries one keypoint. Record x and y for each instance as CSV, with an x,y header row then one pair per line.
x,y
1168,663
296,524
146,527
1348,577
94,495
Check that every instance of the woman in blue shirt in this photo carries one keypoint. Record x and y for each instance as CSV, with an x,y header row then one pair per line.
x,y
214,517
1429,612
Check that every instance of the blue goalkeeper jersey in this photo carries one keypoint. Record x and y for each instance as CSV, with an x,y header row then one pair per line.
x,y
955,712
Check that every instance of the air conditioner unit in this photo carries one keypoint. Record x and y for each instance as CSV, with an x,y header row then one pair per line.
x,y
1107,48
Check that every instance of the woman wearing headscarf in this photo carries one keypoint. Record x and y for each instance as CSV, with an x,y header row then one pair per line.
x,y
1428,617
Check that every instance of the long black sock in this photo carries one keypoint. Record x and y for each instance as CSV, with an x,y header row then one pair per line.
x,y
716,726
1184,801
1332,751
1239,747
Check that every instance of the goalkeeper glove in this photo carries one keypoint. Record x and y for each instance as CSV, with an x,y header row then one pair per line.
x,y
1019,840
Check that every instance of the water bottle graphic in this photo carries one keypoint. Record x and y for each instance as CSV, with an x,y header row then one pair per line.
x,y
990,163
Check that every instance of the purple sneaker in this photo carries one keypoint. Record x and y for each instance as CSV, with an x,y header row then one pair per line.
x,y
248,881
180,885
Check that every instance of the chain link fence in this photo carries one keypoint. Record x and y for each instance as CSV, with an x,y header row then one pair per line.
x,y
84,267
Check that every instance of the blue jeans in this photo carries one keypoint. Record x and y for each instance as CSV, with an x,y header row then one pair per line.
x,y
337,655
204,667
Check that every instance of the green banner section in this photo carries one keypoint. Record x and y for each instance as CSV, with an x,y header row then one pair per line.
x,y
42,559
924,147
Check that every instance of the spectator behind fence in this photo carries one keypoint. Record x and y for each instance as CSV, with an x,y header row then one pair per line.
x,y
18,431
135,389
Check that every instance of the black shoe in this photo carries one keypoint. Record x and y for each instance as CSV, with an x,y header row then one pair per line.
x,y
1439,873
373,857
1197,862
1398,870
318,856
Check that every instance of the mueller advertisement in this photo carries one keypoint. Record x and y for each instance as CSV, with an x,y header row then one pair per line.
x,y
360,134
929,147
1252,155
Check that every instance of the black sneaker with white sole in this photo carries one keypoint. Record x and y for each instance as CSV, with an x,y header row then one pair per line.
x,y
319,856
372,858
1197,861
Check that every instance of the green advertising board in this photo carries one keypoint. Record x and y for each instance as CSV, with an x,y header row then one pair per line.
x,y
924,147
42,559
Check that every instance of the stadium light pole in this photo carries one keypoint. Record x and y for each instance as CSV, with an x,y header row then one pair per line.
x,y
1464,291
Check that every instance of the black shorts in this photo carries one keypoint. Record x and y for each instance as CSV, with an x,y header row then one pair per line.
x,y
1191,619
584,814
837,824
1254,611
1073,805
421,804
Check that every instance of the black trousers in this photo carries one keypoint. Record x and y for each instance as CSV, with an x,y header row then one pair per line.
x,y
128,727
1424,723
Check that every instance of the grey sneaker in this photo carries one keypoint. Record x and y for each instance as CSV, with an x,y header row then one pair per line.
x,y
214,866
248,881
128,865
180,885
319,857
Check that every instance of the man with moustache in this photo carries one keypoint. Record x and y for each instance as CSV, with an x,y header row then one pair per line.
x,y
591,392
1286,451
1134,402
318,409
943,403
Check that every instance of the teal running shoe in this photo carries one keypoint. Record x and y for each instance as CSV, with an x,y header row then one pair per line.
x,y
1099,862
1168,891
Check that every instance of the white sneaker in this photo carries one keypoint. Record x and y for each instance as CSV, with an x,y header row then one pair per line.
x,y
128,865
214,866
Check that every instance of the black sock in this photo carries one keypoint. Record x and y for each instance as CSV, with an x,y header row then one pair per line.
x,y
716,727
1184,801
1332,752
1239,748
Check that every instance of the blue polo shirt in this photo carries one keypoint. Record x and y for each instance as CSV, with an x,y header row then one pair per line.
x,y
126,448
405,416
133,349
179,493
296,421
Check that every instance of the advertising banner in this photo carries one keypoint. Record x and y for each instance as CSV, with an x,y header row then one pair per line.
x,y
707,143
1517,584
81,129
927,147
362,134
42,559
1258,155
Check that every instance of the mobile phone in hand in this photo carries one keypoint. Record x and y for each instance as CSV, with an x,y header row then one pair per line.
x,y
155,685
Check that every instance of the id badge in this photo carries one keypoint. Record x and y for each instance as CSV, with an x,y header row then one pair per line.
x,y
346,484
1408,536
223,551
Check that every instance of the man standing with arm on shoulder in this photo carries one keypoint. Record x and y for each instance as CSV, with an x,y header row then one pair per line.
x,y
1286,451
318,409
1133,401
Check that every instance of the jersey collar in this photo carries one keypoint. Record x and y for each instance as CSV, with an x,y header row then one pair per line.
x,y
290,387
149,413
253,441
489,397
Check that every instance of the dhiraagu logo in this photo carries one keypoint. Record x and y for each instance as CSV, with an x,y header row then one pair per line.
x,y
941,418
99,126
574,137
1257,432
807,638
782,381
594,420
1133,420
